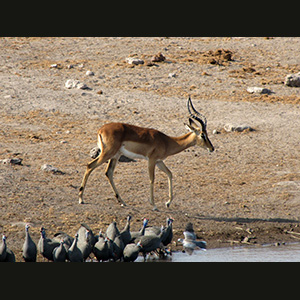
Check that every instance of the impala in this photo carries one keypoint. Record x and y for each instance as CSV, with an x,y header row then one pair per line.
x,y
115,139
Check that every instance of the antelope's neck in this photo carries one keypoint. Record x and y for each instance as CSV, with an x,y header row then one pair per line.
x,y
183,142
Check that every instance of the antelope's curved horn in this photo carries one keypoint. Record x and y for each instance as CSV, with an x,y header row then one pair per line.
x,y
200,118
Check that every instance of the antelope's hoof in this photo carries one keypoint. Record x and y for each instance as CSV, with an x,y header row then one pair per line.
x,y
155,208
167,204
123,204
80,201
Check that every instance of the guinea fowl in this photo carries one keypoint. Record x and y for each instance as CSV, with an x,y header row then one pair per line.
x,y
168,236
60,253
118,247
112,231
151,242
103,249
3,248
86,240
131,252
29,247
135,235
46,246
68,240
150,230
6,255
81,233
189,242
125,233
74,254
168,231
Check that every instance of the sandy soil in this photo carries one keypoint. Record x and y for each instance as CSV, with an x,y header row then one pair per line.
x,y
247,191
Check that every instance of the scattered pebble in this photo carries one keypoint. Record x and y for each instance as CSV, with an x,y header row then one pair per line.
x,y
126,159
258,90
158,58
134,61
150,64
292,80
11,161
50,168
237,128
54,66
89,73
172,75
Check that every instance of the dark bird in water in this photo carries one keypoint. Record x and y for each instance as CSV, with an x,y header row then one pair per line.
x,y
131,252
151,242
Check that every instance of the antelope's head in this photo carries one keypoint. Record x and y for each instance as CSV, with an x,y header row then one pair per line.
x,y
200,132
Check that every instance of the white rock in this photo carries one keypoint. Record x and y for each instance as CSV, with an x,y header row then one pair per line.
x,y
292,80
89,73
54,66
50,168
172,75
134,61
71,83
95,152
258,90
238,128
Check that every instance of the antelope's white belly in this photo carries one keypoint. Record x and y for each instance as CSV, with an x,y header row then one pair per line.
x,y
130,154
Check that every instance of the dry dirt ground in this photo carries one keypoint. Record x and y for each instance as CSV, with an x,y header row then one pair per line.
x,y
247,191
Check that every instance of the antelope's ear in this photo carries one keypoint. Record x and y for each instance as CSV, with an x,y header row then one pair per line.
x,y
192,126
189,127
192,123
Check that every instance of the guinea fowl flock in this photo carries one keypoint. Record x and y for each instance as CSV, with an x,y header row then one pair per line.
x,y
111,245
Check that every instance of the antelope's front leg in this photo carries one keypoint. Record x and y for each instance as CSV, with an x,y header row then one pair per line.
x,y
165,169
151,168
109,174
